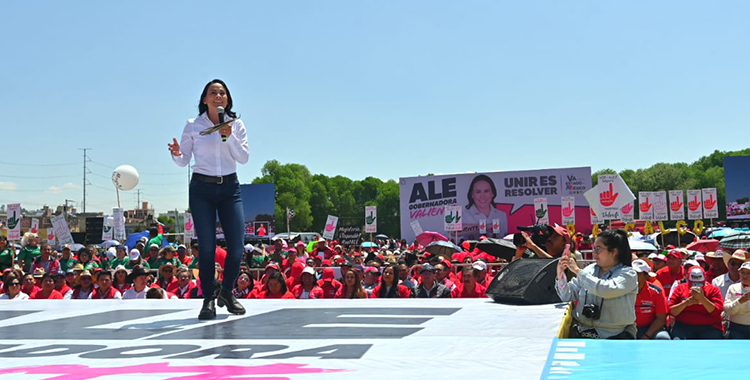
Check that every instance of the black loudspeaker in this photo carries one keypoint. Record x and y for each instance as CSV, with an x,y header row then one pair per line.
x,y
526,282
94,228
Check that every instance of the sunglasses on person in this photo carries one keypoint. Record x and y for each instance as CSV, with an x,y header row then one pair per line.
x,y
14,283
167,270
735,263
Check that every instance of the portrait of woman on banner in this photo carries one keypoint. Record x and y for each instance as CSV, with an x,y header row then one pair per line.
x,y
481,205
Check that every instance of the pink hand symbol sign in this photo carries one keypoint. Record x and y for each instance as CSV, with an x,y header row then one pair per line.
x,y
609,197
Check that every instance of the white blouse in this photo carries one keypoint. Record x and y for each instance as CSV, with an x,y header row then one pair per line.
x,y
213,157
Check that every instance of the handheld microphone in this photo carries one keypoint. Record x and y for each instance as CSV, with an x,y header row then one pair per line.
x,y
220,110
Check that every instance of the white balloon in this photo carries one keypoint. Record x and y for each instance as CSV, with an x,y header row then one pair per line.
x,y
125,177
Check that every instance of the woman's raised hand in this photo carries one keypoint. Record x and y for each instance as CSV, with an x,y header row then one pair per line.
x,y
174,147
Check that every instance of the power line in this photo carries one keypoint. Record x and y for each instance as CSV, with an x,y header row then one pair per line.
x,y
23,164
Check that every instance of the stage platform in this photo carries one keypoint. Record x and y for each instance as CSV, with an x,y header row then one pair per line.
x,y
278,339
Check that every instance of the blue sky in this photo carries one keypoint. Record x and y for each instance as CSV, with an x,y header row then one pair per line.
x,y
365,88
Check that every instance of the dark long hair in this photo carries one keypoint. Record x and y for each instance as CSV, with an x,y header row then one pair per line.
x,y
202,108
476,179
393,292
278,277
358,291
618,239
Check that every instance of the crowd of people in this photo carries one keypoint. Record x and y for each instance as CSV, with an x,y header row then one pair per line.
x,y
674,294
278,271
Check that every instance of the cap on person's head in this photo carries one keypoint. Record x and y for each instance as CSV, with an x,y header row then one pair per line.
x,y
60,273
249,247
670,246
346,263
652,255
301,244
181,248
479,265
308,270
325,263
641,266
745,265
715,255
696,275
134,254
272,265
66,246
71,271
152,246
121,268
78,268
699,257
674,253
38,272
372,270
427,268
169,248
327,275
691,263
138,271
122,247
659,257
143,239
111,253
562,231
82,275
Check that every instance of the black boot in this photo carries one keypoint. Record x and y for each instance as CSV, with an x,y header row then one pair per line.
x,y
233,306
209,310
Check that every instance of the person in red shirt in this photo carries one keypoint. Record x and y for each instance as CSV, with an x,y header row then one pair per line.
x,y
469,287
352,286
673,272
48,289
292,257
61,285
166,276
389,286
650,305
696,306
184,284
29,286
308,287
293,279
329,284
105,291
276,288
120,280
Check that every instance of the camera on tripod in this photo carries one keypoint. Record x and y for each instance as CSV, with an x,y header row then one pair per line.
x,y
539,234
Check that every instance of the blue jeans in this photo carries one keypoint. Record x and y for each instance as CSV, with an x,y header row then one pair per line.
x,y
206,200
682,331
660,334
738,331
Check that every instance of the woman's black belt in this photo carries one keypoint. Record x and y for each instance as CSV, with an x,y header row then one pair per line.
x,y
216,180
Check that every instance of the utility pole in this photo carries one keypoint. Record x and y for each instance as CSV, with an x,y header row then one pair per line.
x,y
139,199
85,171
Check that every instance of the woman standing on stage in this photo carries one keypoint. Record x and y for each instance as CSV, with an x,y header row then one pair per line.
x,y
214,188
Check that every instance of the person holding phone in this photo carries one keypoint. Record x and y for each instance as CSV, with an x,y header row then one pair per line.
x,y
737,307
215,189
605,291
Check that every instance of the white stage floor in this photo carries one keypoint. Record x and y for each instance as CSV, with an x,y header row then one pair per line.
x,y
276,339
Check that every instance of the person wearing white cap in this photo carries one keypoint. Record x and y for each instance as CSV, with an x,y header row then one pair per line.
x,y
696,306
650,305
308,287
737,307
659,260
136,259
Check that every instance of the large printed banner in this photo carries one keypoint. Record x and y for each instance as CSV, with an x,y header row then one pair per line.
x,y
609,196
710,211
695,200
371,219
330,228
505,197
737,181
677,205
13,219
